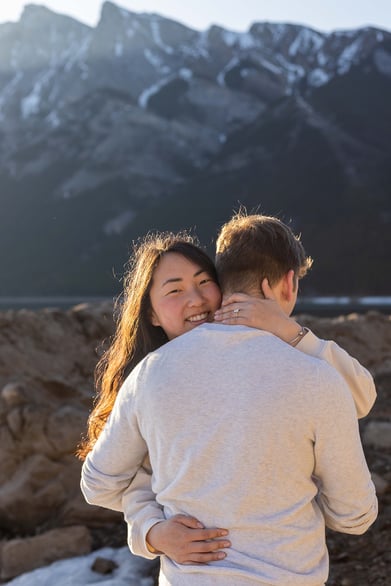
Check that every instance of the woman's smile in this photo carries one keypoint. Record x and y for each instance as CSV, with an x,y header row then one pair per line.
x,y
199,317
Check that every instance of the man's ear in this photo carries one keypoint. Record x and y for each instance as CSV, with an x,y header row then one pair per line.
x,y
288,285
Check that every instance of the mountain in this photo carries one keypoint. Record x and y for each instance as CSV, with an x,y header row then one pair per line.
x,y
143,123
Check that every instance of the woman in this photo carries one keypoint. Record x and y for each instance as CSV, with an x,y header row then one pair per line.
x,y
171,288
137,329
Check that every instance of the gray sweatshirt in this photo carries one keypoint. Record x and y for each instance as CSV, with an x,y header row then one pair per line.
x,y
243,432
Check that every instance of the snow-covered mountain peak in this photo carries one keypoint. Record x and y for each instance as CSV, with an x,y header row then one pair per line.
x,y
38,17
153,59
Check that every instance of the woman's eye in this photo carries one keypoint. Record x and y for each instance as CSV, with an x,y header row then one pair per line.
x,y
173,291
206,280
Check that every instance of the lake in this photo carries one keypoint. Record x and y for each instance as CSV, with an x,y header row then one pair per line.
x,y
322,306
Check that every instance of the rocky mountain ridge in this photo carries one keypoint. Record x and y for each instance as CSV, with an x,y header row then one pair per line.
x,y
110,131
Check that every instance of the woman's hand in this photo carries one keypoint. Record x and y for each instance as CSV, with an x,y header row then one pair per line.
x,y
186,541
263,314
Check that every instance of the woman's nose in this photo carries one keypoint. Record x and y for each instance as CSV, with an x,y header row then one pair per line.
x,y
195,297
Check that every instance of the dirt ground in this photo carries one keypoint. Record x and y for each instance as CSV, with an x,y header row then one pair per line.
x,y
363,560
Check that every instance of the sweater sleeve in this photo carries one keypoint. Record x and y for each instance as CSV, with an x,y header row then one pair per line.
x,y
141,511
117,455
346,494
358,379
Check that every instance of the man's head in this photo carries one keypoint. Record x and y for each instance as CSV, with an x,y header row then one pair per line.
x,y
254,247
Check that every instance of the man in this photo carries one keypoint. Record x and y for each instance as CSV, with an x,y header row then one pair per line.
x,y
243,431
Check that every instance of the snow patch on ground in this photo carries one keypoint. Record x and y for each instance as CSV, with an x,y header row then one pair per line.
x,y
78,56
347,56
156,61
53,119
77,571
382,61
305,42
183,73
118,49
230,65
151,90
242,40
30,104
318,77
270,66
155,28
294,72
8,91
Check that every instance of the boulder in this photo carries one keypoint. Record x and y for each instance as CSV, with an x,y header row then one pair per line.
x,y
47,361
378,434
18,556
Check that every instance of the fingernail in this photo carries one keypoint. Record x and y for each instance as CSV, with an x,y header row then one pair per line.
x,y
221,555
223,532
200,525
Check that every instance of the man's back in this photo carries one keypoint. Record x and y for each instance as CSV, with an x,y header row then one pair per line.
x,y
236,424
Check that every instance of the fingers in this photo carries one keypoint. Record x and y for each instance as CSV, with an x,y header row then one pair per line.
x,y
229,318
204,534
230,313
204,558
183,539
188,521
202,552
199,532
207,547
205,542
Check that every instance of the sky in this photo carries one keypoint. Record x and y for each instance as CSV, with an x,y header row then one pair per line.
x,y
323,15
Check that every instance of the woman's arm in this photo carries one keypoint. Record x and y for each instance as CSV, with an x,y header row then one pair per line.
x,y
141,510
182,538
358,379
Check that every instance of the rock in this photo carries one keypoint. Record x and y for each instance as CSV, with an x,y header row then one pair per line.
x,y
103,566
13,394
381,484
43,414
29,497
23,555
367,337
378,434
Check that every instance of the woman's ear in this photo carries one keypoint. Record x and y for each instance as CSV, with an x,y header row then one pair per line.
x,y
154,319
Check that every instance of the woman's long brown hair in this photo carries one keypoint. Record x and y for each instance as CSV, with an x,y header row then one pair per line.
x,y
135,336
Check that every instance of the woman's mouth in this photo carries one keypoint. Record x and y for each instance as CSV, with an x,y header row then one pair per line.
x,y
198,317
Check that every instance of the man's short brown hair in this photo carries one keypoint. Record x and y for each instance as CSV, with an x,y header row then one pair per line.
x,y
252,247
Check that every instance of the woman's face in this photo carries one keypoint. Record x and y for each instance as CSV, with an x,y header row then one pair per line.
x,y
182,295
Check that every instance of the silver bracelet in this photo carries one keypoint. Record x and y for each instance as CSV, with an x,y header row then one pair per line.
x,y
303,331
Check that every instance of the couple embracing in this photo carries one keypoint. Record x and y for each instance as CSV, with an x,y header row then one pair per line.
x,y
225,431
